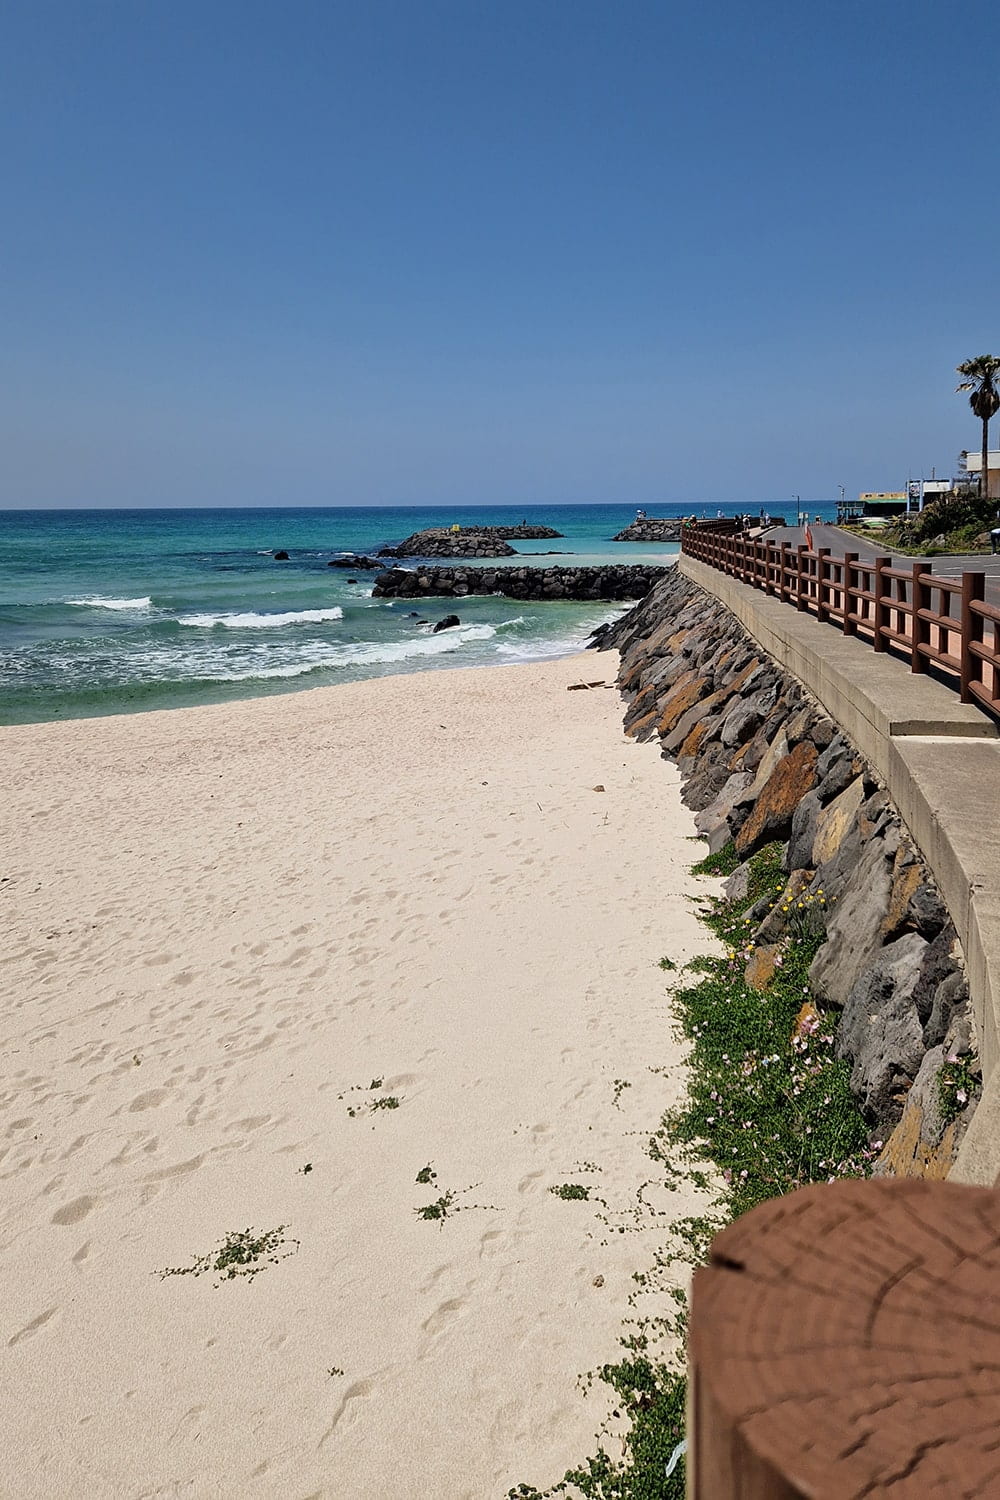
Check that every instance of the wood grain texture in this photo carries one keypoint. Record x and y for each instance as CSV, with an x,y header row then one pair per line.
x,y
845,1344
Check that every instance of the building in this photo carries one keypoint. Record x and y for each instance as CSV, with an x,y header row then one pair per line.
x,y
974,463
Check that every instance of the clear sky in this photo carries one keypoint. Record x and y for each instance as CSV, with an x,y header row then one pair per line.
x,y
537,251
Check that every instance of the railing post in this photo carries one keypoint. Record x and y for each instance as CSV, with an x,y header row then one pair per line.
x,y
972,628
850,558
800,577
822,611
783,589
920,633
881,609
769,550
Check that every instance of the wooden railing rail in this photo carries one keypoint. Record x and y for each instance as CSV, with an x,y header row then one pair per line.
x,y
913,613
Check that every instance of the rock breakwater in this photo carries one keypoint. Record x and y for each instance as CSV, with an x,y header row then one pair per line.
x,y
762,763
468,541
651,529
617,581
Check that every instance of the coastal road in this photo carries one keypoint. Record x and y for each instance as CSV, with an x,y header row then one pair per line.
x,y
840,541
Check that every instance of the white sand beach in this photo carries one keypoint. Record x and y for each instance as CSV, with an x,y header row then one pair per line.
x,y
221,926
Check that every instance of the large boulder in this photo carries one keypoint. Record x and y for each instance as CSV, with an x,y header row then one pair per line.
x,y
771,817
856,885
880,1029
835,821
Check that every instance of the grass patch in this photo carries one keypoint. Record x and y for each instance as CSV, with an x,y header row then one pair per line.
x,y
242,1253
769,1106
724,861
570,1191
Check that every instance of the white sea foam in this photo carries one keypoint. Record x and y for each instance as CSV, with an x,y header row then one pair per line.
x,y
96,601
207,662
253,621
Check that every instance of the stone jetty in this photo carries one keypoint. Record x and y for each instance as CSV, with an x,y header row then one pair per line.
x,y
616,581
468,541
652,529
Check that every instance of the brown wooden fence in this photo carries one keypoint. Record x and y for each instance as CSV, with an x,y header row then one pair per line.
x,y
910,612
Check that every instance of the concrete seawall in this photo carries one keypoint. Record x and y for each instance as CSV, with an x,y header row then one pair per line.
x,y
940,760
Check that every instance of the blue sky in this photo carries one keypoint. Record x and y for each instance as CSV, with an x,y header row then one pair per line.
x,y
397,252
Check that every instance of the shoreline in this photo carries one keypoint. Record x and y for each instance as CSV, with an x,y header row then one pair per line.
x,y
226,926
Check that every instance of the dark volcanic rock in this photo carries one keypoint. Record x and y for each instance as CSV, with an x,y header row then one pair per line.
x,y
448,622
880,1029
616,581
467,541
281,556
651,529
353,560
788,783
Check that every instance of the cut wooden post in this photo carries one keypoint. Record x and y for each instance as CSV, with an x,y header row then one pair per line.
x,y
845,1343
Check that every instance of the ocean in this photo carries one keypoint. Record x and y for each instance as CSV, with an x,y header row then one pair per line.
x,y
118,611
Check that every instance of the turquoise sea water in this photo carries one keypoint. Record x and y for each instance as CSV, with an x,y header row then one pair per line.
x,y
115,611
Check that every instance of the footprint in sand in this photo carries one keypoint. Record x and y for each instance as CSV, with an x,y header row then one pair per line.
x,y
149,1100
527,1183
74,1211
30,1329
361,1390
443,1315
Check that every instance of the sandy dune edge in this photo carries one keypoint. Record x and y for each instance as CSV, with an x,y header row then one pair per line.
x,y
220,926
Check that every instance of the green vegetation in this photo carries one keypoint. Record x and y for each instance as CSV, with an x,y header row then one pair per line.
x,y
956,1084
444,1207
768,1102
955,523
619,1086
440,1208
242,1253
770,1108
426,1174
369,1106
724,861
570,1190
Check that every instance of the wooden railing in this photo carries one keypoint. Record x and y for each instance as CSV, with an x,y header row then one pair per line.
x,y
910,612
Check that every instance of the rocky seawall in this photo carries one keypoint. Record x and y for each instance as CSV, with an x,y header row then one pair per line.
x,y
616,581
468,541
651,529
761,762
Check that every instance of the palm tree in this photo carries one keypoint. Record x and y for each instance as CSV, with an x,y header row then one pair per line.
x,y
980,378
